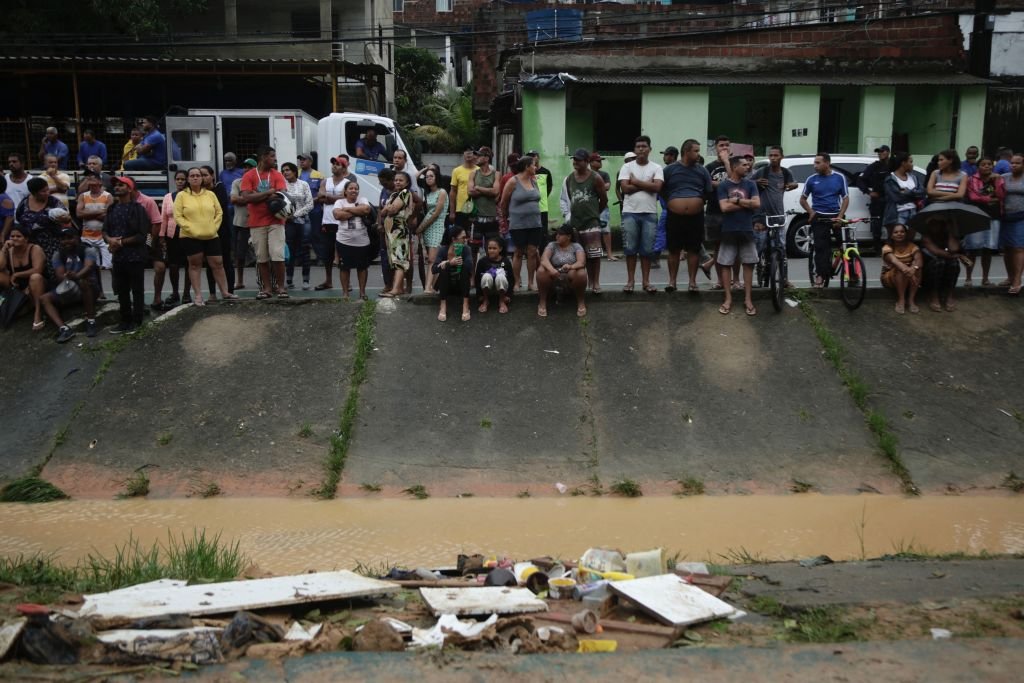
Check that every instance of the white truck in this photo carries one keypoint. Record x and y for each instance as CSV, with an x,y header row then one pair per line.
x,y
205,135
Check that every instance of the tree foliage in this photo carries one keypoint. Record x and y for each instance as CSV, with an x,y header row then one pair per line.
x,y
90,22
417,77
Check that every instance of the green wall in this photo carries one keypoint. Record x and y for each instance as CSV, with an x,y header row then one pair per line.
x,y
877,106
800,109
673,114
925,115
970,123
579,128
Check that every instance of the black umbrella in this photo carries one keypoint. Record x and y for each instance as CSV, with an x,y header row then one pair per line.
x,y
11,301
966,217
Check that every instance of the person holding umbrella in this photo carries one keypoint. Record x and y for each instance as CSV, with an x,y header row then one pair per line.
x,y
985,190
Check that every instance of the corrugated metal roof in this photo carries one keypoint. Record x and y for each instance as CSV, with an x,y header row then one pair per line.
x,y
759,78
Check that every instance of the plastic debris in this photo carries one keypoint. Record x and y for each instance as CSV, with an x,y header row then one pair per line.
x,y
45,641
562,488
941,634
300,632
200,645
598,646
247,628
816,561
449,624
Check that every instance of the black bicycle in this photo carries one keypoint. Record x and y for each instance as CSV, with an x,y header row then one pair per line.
x,y
772,269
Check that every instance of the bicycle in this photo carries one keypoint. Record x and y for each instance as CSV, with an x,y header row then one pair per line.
x,y
847,263
772,269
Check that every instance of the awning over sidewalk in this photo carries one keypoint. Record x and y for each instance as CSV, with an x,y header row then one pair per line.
x,y
762,78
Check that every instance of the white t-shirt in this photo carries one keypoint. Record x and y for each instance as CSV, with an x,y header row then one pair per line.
x,y
331,188
908,185
17,191
351,233
641,202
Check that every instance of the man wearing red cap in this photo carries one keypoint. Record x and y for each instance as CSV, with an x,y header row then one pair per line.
x,y
331,190
125,228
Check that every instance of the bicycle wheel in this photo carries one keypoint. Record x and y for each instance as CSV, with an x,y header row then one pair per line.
x,y
853,281
776,280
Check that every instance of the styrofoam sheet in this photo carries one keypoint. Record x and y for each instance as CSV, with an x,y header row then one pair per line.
x,y
672,600
127,635
482,600
9,633
231,596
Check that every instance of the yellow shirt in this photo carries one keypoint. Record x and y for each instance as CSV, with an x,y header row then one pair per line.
x,y
129,153
460,185
197,215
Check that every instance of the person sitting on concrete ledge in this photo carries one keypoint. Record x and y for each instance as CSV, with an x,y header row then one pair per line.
x,y
76,268
942,259
563,263
494,276
901,268
453,268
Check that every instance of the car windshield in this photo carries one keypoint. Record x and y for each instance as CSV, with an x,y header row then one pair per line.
x,y
801,172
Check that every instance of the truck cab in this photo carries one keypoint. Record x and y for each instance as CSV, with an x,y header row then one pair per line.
x,y
338,133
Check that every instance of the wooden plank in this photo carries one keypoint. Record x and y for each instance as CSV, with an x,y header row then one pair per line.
x,y
615,625
9,634
482,600
231,596
671,600
437,583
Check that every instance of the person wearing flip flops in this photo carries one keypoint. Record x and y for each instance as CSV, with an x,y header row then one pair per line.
x,y
198,214
739,201
687,183
266,230
564,263
583,197
640,180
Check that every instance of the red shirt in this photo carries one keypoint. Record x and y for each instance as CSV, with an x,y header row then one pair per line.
x,y
254,181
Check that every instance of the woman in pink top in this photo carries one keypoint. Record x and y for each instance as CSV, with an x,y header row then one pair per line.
x,y
168,248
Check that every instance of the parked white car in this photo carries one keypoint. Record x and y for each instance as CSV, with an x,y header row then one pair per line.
x,y
802,167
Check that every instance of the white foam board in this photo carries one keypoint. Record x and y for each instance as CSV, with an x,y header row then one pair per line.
x,y
482,600
672,600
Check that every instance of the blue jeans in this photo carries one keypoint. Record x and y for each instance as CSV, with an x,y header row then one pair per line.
x,y
638,233
297,237
142,164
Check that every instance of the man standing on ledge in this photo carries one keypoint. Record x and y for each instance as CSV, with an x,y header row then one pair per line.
x,y
266,231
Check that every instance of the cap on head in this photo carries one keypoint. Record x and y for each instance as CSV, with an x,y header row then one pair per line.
x,y
882,148
68,232
581,155
629,156
484,152
673,151
250,162
341,160
124,180
303,157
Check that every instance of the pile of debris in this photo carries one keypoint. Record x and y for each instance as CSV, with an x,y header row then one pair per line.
x,y
489,605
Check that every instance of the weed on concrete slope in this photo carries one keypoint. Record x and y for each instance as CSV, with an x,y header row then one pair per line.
x,y
30,489
342,440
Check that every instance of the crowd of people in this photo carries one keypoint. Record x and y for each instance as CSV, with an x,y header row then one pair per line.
x,y
475,230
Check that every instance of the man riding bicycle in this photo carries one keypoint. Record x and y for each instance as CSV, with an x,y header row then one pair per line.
x,y
825,212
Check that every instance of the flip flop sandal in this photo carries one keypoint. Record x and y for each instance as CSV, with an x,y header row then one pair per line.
x,y
596,290
651,289
542,312
263,295
284,295
751,310
441,317
628,289
717,286
231,297
581,311
386,295
321,287
935,307
465,317
693,288
724,310
38,326
670,289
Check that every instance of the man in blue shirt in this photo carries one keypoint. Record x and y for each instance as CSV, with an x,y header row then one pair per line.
x,y
1003,163
829,199
970,163
369,147
90,147
738,200
51,145
153,150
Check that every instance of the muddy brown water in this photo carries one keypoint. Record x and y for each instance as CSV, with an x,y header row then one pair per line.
x,y
285,536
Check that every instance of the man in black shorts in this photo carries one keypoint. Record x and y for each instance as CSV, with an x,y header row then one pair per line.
x,y
687,184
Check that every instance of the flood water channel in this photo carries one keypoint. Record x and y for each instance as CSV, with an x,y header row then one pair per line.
x,y
287,535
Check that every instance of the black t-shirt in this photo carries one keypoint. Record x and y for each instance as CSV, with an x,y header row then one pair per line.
x,y
718,173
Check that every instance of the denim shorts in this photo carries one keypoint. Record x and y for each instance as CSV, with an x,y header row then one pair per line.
x,y
638,233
